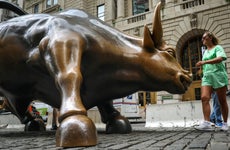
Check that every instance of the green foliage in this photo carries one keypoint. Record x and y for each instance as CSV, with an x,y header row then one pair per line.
x,y
227,1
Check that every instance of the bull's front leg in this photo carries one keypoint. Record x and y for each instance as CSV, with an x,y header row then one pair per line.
x,y
63,58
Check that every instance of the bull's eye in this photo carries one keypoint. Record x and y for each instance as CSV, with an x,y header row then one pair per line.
x,y
171,52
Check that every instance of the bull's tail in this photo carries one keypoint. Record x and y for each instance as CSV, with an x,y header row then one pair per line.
x,y
12,7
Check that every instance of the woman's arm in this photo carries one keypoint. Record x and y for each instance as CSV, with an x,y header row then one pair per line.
x,y
211,61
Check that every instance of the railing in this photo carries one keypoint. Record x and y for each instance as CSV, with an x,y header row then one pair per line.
x,y
191,3
136,18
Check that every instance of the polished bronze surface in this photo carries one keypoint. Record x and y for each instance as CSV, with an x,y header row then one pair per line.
x,y
73,61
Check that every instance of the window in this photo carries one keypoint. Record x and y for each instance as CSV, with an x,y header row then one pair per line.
x,y
192,53
36,8
146,98
141,98
50,3
101,12
140,6
55,2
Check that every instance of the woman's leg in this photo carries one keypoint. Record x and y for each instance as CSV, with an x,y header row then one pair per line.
x,y
206,92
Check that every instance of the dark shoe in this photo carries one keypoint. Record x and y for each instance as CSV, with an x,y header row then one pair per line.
x,y
54,127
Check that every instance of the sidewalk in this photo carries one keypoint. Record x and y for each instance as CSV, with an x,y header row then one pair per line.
x,y
144,136
141,138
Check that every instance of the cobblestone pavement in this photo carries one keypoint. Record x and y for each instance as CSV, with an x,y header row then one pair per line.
x,y
140,138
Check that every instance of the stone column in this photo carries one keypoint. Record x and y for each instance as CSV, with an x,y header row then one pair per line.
x,y
20,3
120,8
150,5
110,11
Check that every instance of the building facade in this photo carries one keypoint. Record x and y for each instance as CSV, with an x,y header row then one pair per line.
x,y
6,14
184,22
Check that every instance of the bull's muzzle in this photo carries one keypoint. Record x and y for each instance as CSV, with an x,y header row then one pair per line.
x,y
185,78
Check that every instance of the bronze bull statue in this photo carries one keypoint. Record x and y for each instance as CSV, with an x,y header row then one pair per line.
x,y
73,61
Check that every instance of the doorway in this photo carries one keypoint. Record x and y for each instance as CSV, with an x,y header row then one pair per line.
x,y
191,53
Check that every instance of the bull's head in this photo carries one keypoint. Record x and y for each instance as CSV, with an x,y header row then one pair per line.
x,y
165,70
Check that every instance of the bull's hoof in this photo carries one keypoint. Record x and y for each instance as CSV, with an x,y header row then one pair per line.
x,y
76,131
35,125
119,124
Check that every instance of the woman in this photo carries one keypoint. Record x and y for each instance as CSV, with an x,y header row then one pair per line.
x,y
214,77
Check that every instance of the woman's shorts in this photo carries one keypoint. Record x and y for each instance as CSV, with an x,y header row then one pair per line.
x,y
216,80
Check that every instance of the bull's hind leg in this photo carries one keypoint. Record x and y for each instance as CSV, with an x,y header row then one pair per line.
x,y
63,59
115,122
33,121
19,107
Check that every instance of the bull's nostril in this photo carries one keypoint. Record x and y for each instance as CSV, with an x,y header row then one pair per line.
x,y
182,79
186,80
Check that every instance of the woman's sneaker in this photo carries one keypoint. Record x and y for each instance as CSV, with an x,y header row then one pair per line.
x,y
205,126
224,127
3,126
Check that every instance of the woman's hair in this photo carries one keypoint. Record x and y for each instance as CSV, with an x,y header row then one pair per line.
x,y
215,40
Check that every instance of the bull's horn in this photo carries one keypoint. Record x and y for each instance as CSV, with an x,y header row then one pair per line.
x,y
148,43
157,31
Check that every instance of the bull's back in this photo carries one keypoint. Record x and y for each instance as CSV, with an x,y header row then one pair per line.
x,y
22,74
20,60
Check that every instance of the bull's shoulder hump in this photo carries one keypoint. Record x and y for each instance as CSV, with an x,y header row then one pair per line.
x,y
85,20
76,13
76,16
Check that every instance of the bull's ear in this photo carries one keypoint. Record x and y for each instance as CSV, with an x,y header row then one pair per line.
x,y
148,43
157,31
